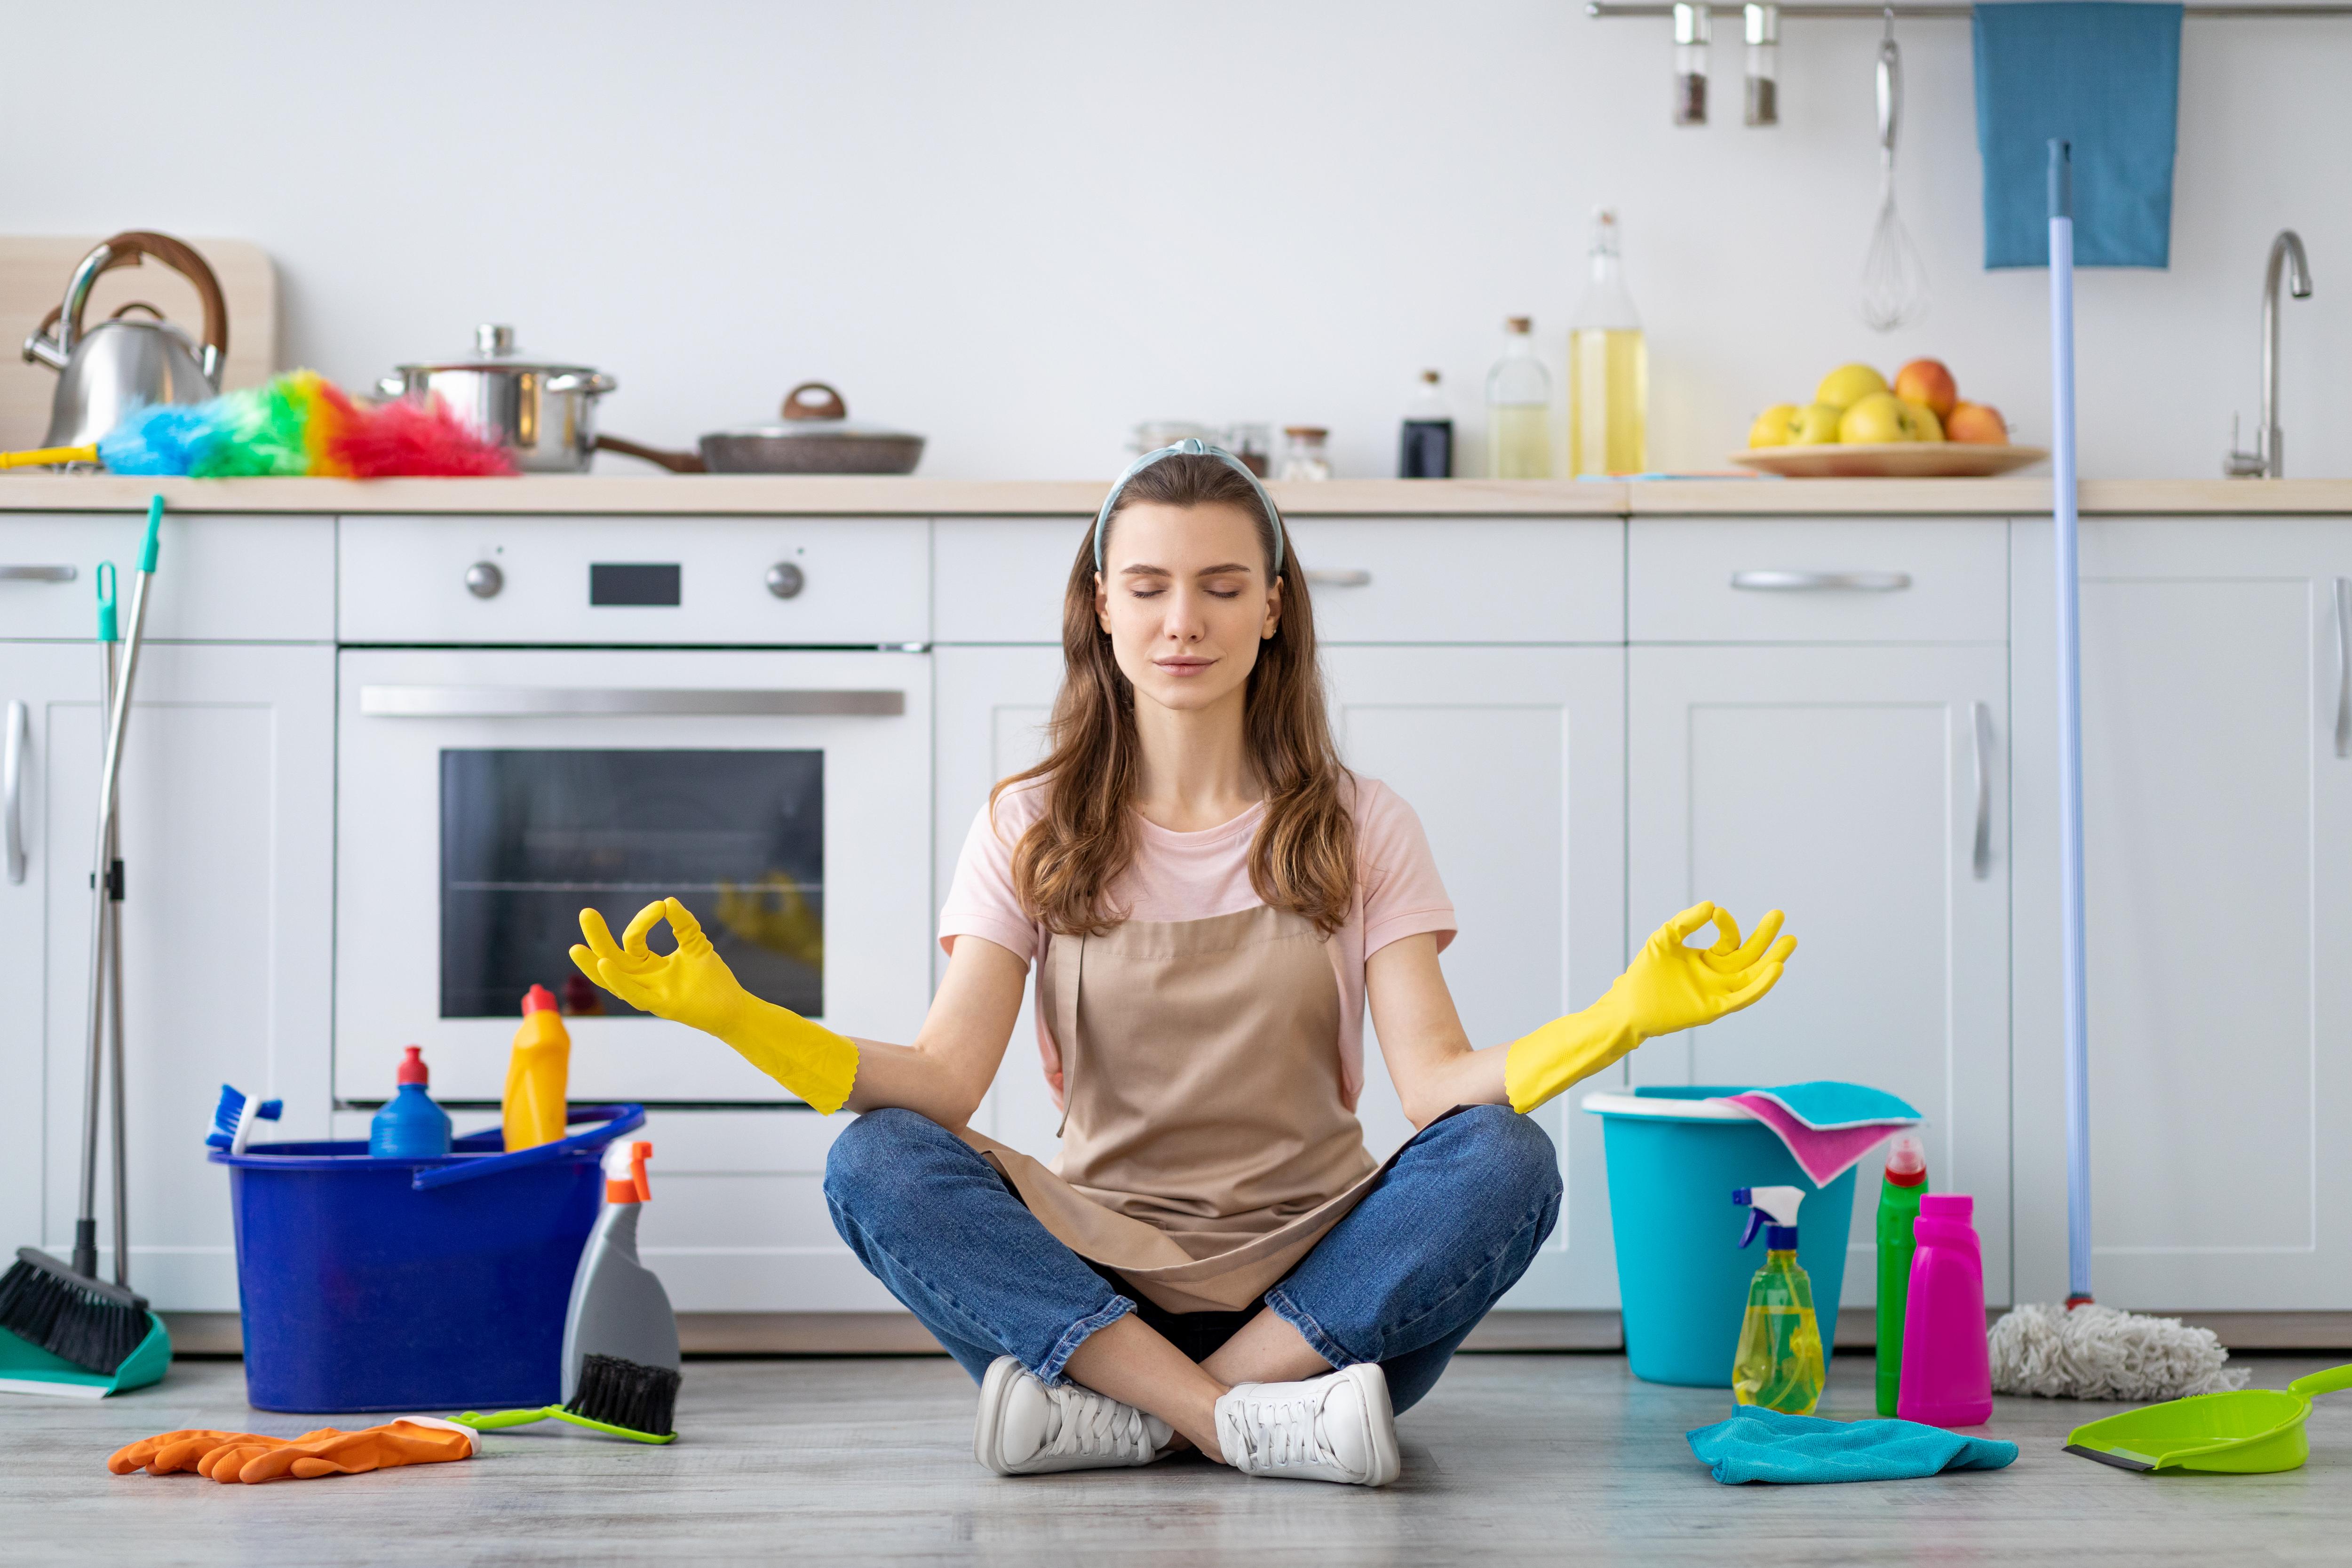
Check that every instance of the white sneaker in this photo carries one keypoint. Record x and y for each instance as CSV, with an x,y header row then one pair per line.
x,y
1027,1428
1336,1428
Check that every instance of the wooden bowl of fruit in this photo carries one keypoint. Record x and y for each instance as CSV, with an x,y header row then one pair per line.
x,y
1859,426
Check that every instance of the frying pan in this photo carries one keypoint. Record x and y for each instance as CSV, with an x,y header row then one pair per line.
x,y
817,435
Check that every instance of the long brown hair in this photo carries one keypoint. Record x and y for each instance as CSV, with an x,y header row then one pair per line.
x,y
1303,857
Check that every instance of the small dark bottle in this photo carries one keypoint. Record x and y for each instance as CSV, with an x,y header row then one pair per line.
x,y
1425,448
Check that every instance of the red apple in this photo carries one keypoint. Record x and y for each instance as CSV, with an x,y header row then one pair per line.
x,y
1926,382
1976,422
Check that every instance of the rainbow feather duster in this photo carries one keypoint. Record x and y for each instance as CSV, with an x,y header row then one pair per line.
x,y
300,423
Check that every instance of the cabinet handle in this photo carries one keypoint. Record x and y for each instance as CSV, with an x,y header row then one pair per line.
x,y
1351,578
2343,667
597,702
37,573
1980,862
12,784
1779,582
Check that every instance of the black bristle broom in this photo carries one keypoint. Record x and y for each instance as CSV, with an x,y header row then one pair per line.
x,y
67,1310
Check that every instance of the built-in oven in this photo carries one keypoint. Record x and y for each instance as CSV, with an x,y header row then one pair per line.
x,y
487,794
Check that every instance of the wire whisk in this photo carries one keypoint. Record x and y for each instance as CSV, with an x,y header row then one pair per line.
x,y
1894,279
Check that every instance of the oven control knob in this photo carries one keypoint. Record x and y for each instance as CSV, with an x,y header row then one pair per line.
x,y
484,580
786,580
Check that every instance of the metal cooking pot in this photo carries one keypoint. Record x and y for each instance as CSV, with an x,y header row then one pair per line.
x,y
816,436
122,363
543,413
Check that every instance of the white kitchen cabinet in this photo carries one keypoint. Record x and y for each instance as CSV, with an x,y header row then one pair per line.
x,y
2218,873
991,705
228,842
1863,790
1375,580
1514,760
1836,580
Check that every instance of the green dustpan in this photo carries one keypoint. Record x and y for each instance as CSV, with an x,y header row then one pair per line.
x,y
28,1369
2248,1431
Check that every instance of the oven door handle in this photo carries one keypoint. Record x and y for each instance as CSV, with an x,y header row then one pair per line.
x,y
624,701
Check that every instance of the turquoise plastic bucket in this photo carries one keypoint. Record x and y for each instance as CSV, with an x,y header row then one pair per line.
x,y
1682,1276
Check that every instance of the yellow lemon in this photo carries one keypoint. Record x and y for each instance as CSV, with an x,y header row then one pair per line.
x,y
1771,427
1815,425
1881,417
1849,384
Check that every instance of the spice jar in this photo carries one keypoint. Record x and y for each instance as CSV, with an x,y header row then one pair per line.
x,y
1306,452
1763,29
1254,445
1691,27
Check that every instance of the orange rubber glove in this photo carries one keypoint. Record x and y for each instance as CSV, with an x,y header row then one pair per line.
x,y
412,1440
1669,986
168,1453
250,1456
695,987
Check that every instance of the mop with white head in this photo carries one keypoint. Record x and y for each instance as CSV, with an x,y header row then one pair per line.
x,y
2097,1352
2083,1351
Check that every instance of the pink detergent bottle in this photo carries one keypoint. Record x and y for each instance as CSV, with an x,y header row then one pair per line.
x,y
1946,1380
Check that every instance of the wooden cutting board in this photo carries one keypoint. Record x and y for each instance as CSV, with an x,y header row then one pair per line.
x,y
34,270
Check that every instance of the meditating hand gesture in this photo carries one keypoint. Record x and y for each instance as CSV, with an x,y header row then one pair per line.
x,y
1669,986
695,987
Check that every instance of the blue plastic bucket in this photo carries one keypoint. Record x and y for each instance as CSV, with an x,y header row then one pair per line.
x,y
1682,1276
412,1285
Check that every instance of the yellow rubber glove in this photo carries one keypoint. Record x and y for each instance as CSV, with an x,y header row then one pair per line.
x,y
1670,986
694,986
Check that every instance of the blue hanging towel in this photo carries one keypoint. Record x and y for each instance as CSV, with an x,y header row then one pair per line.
x,y
1761,1444
2103,75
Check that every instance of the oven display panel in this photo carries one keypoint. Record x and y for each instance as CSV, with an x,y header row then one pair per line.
x,y
528,837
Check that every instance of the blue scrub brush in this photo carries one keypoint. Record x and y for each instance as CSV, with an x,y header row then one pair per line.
x,y
234,1119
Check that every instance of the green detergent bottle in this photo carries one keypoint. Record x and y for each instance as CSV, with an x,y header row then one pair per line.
x,y
1780,1365
1898,1205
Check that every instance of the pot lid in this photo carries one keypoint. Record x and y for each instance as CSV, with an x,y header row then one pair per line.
x,y
495,349
814,409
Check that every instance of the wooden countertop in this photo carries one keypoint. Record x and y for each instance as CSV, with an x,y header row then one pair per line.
x,y
760,495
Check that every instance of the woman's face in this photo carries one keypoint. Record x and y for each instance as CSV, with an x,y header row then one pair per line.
x,y
1183,594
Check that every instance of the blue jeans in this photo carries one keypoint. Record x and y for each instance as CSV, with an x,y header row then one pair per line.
x,y
1402,1280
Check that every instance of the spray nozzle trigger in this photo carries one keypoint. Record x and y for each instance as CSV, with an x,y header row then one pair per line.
x,y
625,1173
1771,1206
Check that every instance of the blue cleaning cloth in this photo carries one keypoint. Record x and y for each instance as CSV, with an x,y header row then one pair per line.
x,y
2104,76
1761,1444
1826,1103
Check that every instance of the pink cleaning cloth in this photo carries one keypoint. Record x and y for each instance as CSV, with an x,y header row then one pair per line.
x,y
1826,1155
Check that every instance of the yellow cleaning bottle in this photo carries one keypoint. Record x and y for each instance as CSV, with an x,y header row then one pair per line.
x,y
1778,1364
537,1074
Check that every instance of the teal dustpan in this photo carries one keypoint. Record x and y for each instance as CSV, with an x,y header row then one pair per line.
x,y
2248,1431
28,1369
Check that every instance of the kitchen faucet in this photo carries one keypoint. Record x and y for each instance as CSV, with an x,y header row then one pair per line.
x,y
2263,462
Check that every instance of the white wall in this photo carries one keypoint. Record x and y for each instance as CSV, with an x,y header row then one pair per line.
x,y
1020,226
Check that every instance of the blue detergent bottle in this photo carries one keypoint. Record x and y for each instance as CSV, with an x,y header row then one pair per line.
x,y
410,1126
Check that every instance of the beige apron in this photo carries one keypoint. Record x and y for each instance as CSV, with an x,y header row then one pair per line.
x,y
1206,1147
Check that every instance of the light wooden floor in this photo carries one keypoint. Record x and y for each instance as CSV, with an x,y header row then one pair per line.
x,y
1552,1459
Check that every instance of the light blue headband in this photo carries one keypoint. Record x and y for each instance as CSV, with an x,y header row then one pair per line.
x,y
1190,446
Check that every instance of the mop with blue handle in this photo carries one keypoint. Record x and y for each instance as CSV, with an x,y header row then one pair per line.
x,y
2083,1351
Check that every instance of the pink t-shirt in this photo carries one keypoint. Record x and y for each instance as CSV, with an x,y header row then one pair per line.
x,y
1192,875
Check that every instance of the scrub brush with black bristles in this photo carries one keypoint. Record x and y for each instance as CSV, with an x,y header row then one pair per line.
x,y
86,1321
623,1394
620,1338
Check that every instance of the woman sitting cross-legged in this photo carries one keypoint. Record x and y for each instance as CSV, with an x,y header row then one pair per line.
x,y
1209,900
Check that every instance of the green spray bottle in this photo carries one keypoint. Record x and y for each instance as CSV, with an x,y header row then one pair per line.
x,y
1898,1205
1780,1363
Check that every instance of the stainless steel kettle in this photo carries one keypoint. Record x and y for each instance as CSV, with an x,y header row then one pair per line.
x,y
124,362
